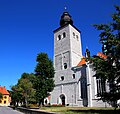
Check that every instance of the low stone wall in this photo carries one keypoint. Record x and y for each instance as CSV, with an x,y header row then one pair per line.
x,y
31,111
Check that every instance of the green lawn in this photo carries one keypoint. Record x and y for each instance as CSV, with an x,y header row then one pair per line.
x,y
80,110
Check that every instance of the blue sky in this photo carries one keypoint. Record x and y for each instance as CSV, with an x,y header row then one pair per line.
x,y
26,29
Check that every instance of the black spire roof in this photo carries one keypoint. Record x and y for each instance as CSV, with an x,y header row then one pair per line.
x,y
66,19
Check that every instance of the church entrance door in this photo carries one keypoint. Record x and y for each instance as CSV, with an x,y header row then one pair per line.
x,y
62,97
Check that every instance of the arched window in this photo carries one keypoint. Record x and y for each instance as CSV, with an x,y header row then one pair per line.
x,y
73,35
101,88
73,76
59,37
5,97
64,34
77,37
4,102
62,78
65,65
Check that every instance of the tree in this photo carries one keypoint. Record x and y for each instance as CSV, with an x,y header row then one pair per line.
x,y
1,95
44,73
25,85
16,95
109,68
23,91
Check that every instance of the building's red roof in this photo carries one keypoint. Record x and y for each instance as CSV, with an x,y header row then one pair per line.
x,y
4,91
82,62
101,55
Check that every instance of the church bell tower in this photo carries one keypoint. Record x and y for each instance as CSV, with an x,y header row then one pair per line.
x,y
67,54
67,44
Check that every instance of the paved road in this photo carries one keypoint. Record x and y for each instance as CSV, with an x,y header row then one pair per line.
x,y
7,110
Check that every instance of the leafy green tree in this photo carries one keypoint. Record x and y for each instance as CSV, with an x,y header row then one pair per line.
x,y
25,85
109,68
16,95
44,73
23,91
1,95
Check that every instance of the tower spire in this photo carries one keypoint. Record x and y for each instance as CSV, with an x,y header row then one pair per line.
x,y
65,18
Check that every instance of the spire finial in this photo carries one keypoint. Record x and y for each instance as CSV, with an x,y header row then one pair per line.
x,y
65,8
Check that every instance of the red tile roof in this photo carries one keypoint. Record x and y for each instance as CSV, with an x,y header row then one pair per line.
x,y
4,91
82,62
101,55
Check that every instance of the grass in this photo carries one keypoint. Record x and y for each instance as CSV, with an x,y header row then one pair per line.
x,y
80,110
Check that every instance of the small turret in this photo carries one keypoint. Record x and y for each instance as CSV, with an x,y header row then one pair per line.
x,y
87,53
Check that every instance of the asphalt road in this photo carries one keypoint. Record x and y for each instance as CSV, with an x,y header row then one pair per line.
x,y
7,110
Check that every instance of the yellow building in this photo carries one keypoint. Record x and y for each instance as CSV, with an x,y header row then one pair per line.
x,y
5,101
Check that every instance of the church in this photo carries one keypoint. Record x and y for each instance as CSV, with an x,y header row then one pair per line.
x,y
75,84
